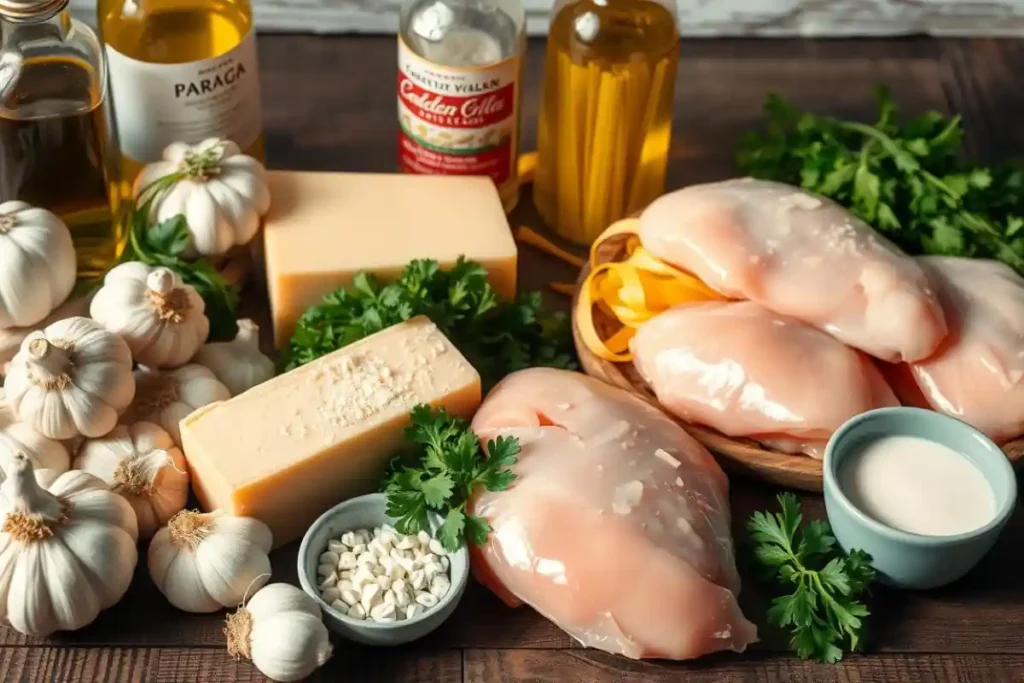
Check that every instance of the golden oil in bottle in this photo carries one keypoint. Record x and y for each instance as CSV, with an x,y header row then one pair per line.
x,y
55,146
606,112
181,71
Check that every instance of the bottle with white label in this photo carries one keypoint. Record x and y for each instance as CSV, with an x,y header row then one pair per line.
x,y
180,70
459,73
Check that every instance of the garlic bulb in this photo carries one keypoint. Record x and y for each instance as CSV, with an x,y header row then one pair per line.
x,y
280,630
167,398
142,464
239,364
203,562
162,319
67,549
222,193
37,264
17,437
72,378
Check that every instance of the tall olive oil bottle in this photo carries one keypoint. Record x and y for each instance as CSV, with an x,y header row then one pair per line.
x,y
606,112
57,149
180,70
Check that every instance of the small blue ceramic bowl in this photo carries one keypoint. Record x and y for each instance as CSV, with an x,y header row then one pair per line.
x,y
902,559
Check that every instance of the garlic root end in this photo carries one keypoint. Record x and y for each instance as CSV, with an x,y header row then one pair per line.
x,y
237,628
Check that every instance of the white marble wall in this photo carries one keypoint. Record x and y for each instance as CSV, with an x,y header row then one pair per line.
x,y
696,17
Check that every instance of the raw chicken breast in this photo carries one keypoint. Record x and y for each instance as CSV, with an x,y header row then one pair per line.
x,y
978,374
747,372
617,528
800,255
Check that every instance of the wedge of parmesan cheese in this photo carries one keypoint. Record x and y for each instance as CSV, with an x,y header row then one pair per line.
x,y
289,449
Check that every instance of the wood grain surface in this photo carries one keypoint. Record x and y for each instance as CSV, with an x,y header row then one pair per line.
x,y
329,104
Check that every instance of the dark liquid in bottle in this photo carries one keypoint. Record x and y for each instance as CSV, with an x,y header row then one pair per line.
x,y
53,145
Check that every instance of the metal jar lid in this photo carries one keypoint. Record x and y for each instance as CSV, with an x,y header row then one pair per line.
x,y
28,11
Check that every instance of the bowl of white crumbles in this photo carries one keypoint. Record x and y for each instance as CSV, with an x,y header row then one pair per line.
x,y
375,585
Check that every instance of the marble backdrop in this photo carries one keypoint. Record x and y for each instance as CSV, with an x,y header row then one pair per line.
x,y
696,17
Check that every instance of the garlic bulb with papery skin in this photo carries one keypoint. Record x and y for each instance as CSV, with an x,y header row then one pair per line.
x,y
238,364
281,631
203,562
168,397
221,192
141,463
17,437
67,550
37,264
162,318
72,378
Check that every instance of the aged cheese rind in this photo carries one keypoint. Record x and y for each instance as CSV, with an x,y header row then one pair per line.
x,y
323,228
289,449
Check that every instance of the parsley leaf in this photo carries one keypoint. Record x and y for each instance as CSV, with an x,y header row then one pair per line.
x,y
448,465
496,337
822,611
164,244
911,182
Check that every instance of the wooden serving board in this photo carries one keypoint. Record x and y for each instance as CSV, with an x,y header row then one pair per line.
x,y
739,456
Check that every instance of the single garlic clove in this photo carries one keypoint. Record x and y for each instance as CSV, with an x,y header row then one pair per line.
x,y
426,599
339,606
350,597
372,595
329,558
440,586
331,594
435,547
385,610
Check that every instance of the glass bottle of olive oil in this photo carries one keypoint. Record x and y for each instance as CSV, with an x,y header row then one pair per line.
x,y
56,149
606,112
181,70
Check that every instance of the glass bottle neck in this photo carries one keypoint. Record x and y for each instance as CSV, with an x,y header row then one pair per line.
x,y
55,27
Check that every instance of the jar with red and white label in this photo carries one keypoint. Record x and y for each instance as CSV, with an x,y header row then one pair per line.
x,y
459,74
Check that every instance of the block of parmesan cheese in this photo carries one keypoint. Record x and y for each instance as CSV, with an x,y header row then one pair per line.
x,y
288,450
323,228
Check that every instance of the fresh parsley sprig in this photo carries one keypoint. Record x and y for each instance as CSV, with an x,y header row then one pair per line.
x,y
449,466
912,182
165,244
497,337
823,611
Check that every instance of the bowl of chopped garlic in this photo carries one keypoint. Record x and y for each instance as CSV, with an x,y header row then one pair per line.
x,y
375,585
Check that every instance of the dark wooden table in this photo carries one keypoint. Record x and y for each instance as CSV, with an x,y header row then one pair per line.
x,y
329,104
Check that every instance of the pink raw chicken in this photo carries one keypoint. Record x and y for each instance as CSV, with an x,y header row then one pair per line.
x,y
800,255
978,374
617,528
748,372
